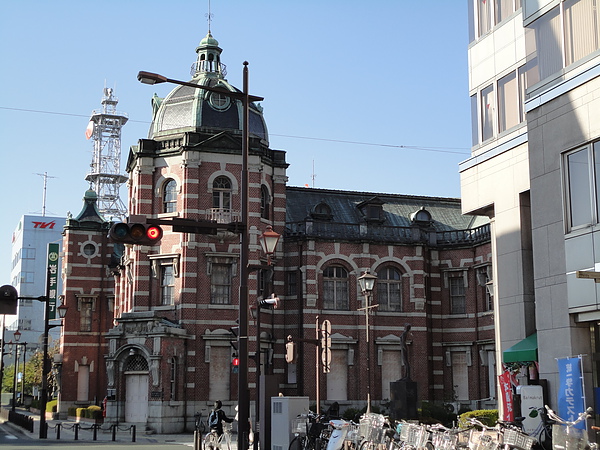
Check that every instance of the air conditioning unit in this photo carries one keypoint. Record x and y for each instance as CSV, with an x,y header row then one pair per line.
x,y
455,407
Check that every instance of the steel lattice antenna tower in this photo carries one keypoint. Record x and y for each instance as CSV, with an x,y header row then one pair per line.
x,y
105,171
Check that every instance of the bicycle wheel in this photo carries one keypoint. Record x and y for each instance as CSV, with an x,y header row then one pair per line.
x,y
211,441
368,445
545,438
297,443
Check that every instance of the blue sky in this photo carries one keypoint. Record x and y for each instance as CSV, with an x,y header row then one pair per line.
x,y
367,96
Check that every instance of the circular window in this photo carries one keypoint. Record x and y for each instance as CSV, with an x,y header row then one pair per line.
x,y
89,249
219,101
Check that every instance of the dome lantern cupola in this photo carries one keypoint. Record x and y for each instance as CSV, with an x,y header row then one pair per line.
x,y
208,62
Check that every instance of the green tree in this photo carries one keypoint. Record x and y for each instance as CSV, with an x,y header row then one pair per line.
x,y
33,372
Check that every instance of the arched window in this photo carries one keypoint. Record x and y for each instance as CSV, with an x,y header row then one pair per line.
x,y
222,193
221,210
335,288
170,196
389,289
321,211
265,202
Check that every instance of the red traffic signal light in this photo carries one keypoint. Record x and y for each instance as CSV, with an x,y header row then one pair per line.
x,y
135,233
235,363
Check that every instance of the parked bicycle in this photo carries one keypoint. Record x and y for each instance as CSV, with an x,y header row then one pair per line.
x,y
443,438
514,436
310,432
543,432
565,434
372,431
199,423
483,437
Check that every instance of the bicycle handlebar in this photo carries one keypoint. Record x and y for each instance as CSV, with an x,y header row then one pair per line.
x,y
582,416
474,421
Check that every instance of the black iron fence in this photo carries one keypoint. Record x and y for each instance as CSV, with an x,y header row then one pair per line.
x,y
22,420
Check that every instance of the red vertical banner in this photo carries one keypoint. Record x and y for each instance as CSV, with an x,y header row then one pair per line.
x,y
507,396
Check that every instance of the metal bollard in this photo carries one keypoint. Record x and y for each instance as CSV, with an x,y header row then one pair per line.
x,y
58,426
133,433
76,426
114,432
95,432
196,440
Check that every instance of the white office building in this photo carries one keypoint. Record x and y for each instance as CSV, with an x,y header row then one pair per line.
x,y
534,81
28,275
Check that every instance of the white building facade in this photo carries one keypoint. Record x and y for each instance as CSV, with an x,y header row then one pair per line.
x,y
28,275
534,82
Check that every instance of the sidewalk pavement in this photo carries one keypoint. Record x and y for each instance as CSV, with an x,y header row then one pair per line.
x,y
85,432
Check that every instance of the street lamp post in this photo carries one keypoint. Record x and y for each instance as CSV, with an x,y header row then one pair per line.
x,y
367,283
268,242
245,98
62,311
17,335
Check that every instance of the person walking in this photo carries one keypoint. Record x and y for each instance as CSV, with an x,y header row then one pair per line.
x,y
216,418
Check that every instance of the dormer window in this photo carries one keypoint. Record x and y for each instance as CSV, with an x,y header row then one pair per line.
x,y
422,217
372,209
321,211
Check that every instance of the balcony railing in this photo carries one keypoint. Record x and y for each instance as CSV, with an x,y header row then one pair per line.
x,y
223,215
351,231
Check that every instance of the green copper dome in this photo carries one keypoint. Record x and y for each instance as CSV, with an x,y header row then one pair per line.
x,y
187,108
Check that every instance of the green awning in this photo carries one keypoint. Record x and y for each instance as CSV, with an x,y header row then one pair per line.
x,y
523,351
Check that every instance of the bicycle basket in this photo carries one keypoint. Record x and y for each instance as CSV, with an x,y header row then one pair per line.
x,y
353,434
568,438
481,440
299,425
444,440
371,427
416,435
227,427
515,438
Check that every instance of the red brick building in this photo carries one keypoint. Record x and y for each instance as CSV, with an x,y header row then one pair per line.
x,y
149,326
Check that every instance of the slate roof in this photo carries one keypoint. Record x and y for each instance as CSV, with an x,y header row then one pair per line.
x,y
445,212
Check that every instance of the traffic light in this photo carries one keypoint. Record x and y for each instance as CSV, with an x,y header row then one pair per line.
x,y
235,363
135,233
9,298
233,340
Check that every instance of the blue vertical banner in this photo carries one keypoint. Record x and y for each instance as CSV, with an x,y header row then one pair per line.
x,y
52,281
570,392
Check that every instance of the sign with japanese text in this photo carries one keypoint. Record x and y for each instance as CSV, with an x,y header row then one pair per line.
x,y
570,392
507,396
52,281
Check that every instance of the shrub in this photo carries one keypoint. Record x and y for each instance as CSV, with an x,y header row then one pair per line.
x,y
351,414
93,412
72,411
80,412
51,406
488,417
436,413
